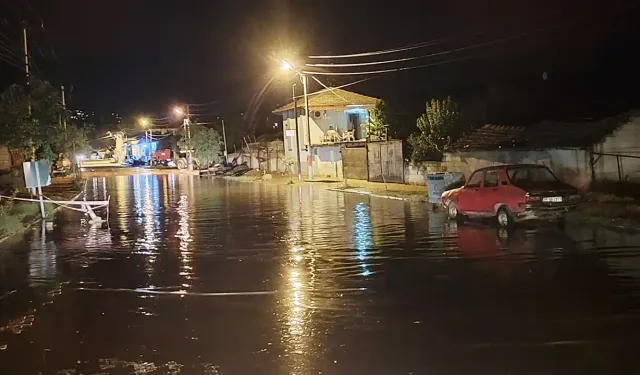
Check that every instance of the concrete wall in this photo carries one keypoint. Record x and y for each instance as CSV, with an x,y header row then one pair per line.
x,y
416,174
624,141
570,165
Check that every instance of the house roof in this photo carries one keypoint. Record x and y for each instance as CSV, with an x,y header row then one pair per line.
x,y
332,99
545,135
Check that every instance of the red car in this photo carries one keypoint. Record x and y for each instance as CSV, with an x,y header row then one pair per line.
x,y
511,193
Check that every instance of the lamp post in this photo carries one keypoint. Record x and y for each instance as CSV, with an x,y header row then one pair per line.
x,y
145,122
186,123
303,78
295,116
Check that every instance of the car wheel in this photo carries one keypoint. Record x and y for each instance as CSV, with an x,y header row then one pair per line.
x,y
504,218
452,210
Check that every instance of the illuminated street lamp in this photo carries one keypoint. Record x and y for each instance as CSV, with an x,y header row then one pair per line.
x,y
303,77
179,111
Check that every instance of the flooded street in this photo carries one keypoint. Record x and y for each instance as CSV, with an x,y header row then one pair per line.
x,y
203,276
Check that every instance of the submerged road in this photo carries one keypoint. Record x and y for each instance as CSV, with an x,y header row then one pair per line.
x,y
201,276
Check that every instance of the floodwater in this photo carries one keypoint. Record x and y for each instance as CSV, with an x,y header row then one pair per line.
x,y
201,276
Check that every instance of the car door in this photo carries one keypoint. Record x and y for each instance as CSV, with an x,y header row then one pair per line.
x,y
489,194
467,201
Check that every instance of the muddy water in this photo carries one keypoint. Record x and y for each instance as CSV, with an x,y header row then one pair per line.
x,y
213,277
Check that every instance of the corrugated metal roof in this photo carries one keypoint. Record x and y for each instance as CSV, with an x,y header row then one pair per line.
x,y
333,99
545,135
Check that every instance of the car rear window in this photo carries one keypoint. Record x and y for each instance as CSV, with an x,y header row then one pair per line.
x,y
530,175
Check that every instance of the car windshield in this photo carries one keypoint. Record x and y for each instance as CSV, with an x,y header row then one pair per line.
x,y
527,175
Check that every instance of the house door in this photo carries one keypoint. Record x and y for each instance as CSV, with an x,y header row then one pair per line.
x,y
354,123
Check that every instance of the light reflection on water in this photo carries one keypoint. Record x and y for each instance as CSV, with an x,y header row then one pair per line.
x,y
347,284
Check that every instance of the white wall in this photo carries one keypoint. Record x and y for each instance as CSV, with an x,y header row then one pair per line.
x,y
570,165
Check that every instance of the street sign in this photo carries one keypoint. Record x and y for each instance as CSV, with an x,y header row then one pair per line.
x,y
36,174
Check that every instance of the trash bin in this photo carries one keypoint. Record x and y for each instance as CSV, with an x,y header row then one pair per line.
x,y
437,182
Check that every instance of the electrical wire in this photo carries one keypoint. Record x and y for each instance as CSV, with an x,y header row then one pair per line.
x,y
465,48
337,87
390,70
10,62
327,88
383,52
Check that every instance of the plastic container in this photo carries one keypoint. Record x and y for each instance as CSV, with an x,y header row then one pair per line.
x,y
438,182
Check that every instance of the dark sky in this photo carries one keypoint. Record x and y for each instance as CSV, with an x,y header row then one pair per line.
x,y
142,56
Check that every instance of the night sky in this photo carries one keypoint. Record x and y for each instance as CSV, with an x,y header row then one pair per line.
x,y
143,56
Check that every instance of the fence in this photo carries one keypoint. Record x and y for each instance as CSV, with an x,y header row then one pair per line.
x,y
385,161
615,173
354,163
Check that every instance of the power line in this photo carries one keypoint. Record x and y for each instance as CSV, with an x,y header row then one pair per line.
x,y
484,44
8,61
390,70
203,104
336,87
386,51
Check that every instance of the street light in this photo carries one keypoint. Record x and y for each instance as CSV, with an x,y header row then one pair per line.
x,y
179,111
303,78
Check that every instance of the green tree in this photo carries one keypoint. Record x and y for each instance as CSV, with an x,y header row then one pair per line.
x,y
376,126
438,127
40,130
206,144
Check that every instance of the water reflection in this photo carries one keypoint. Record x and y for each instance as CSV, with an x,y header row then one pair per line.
x,y
299,280
184,236
147,198
362,235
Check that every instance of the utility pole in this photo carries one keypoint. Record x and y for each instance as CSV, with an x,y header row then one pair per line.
x,y
26,63
224,137
28,85
295,116
306,112
187,128
64,107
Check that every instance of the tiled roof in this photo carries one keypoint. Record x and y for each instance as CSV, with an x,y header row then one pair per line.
x,y
489,137
332,99
545,135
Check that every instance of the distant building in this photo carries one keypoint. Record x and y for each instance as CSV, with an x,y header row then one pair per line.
x,y
335,117
581,153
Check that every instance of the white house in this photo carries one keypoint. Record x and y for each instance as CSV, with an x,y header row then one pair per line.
x,y
331,112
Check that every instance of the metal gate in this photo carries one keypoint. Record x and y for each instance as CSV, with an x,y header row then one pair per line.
x,y
385,160
354,163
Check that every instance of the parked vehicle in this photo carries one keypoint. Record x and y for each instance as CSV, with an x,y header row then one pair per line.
x,y
162,157
511,193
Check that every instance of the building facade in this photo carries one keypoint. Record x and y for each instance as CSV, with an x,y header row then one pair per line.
x,y
335,117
